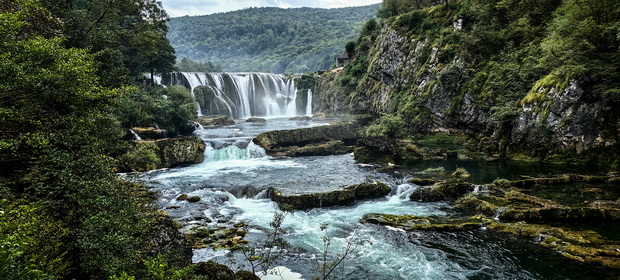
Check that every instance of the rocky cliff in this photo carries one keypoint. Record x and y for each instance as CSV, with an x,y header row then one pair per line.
x,y
162,153
431,68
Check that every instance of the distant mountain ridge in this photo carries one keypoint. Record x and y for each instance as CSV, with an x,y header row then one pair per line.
x,y
269,39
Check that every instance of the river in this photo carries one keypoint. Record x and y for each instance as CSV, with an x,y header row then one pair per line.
x,y
235,172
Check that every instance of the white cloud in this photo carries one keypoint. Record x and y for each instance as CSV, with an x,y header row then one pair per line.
x,y
177,8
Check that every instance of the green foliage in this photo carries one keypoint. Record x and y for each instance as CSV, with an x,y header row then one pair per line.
x,y
306,81
31,244
172,108
269,39
75,218
461,173
142,157
388,126
349,47
128,37
188,65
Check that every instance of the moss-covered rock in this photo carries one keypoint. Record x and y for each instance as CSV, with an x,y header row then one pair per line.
x,y
412,223
163,153
445,191
166,240
344,196
245,275
337,135
255,120
422,181
193,199
218,120
214,271
335,147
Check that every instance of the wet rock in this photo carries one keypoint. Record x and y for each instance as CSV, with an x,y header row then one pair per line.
x,y
301,118
256,120
320,140
422,181
193,199
162,153
445,191
321,149
345,196
245,275
583,246
165,239
214,271
219,120
182,197
412,223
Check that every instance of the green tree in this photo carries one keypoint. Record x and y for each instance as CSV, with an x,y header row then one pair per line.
x,y
128,37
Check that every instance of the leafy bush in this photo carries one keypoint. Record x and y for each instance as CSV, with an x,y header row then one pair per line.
x,y
388,126
172,109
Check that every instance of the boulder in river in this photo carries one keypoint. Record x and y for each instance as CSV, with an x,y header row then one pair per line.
x,y
344,196
217,120
163,153
256,120
321,140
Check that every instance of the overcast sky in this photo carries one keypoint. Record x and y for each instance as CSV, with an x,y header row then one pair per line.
x,y
178,8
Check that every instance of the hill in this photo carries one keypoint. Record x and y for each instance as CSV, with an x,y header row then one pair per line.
x,y
269,39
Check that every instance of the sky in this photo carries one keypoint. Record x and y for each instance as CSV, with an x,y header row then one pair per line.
x,y
178,8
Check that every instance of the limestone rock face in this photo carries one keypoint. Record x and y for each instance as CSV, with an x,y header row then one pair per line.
x,y
432,91
566,120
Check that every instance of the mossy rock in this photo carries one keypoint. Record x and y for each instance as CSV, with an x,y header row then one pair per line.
x,y
182,197
256,120
271,141
218,120
412,223
445,191
345,196
422,181
335,147
301,118
162,153
245,275
193,199
214,271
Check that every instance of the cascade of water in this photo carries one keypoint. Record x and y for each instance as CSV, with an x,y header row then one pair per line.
x,y
232,152
135,135
246,95
309,103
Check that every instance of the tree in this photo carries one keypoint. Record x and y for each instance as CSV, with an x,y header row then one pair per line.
x,y
128,37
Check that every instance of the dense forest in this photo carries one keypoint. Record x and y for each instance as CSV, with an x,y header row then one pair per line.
x,y
68,94
269,39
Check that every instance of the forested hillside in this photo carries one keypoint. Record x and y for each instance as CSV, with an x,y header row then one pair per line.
x,y
524,77
269,39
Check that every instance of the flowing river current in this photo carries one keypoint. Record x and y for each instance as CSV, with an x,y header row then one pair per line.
x,y
235,173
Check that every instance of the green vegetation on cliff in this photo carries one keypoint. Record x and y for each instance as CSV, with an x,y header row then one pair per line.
x,y
533,77
269,39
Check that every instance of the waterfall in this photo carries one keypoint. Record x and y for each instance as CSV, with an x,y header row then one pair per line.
x,y
228,151
135,135
244,95
309,103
